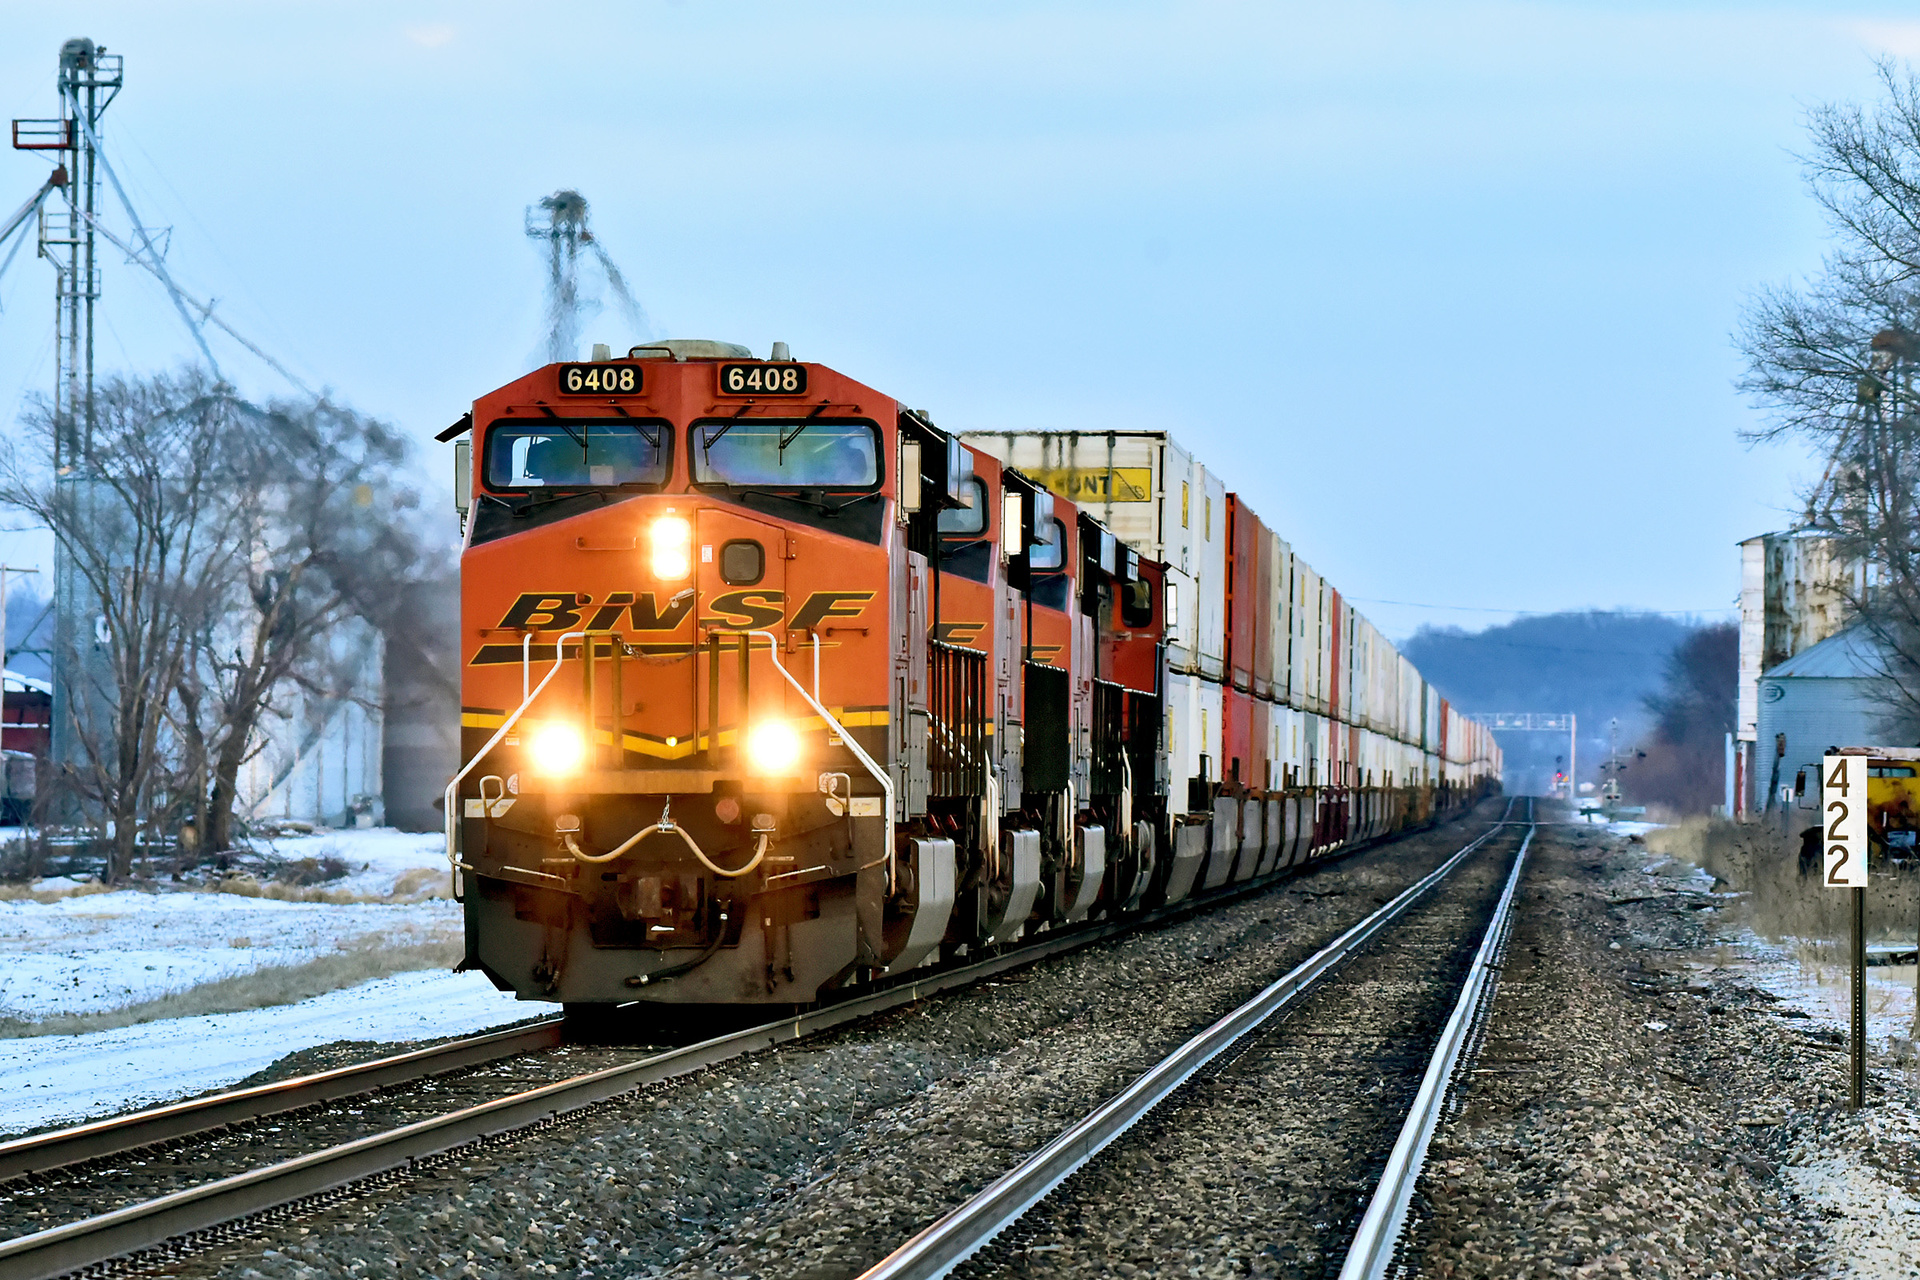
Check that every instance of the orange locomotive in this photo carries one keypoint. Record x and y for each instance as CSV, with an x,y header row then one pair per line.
x,y
772,688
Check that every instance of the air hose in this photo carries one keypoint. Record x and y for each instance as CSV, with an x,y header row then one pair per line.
x,y
718,921
761,839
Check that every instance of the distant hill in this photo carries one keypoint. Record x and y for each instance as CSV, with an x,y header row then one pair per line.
x,y
1598,665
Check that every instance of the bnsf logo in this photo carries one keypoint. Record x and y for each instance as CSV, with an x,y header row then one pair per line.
x,y
751,610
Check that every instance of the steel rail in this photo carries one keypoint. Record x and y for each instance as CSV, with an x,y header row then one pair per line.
x,y
42,1152
1371,1254
59,1250
953,1239
56,1251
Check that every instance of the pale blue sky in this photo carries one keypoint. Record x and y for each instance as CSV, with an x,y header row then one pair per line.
x,y
1445,290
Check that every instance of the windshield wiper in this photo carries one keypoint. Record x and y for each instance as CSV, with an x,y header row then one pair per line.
x,y
762,491
531,505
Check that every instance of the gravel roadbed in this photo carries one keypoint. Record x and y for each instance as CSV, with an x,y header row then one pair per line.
x,y
1634,1108
38,1201
1262,1164
815,1159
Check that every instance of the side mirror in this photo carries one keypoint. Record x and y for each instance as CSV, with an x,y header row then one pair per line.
x,y
462,476
909,486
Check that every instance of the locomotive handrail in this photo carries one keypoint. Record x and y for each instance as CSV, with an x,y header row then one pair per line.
x,y
526,650
833,723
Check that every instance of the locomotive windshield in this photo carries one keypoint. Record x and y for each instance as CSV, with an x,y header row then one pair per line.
x,y
802,454
577,453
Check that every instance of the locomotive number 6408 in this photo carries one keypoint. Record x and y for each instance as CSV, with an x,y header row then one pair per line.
x,y
763,379
599,379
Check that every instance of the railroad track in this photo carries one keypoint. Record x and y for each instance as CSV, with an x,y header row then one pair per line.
x,y
158,1162
1032,1219
42,1153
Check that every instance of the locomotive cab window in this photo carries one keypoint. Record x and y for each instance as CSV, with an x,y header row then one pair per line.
x,y
800,454
964,547
1050,553
577,453
970,520
1048,583
1136,603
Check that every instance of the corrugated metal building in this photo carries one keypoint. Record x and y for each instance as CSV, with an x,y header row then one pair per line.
x,y
320,757
1833,694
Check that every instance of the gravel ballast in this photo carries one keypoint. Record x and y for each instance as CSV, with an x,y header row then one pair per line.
x,y
83,1190
818,1158
1637,1108
1261,1165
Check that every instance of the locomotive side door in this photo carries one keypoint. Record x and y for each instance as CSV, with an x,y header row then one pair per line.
x,y
740,580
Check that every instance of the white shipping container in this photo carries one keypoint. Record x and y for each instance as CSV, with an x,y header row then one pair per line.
x,y
1158,500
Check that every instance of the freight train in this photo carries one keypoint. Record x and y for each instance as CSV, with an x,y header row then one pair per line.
x,y
772,688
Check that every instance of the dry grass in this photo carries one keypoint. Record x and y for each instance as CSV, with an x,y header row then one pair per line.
x,y
365,959
1756,859
417,885
27,893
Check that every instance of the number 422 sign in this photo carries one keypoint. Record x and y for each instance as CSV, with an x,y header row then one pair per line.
x,y
1843,808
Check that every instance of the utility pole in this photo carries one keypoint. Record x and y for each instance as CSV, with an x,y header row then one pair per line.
x,y
89,79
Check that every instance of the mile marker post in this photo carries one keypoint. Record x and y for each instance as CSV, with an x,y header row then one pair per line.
x,y
1843,811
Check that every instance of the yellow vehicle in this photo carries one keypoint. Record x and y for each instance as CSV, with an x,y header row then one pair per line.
x,y
1893,802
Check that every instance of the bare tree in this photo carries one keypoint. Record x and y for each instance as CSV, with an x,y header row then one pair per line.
x,y
143,523
323,514
1834,362
222,546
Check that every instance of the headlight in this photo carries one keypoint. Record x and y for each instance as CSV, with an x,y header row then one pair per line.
x,y
557,749
671,542
773,747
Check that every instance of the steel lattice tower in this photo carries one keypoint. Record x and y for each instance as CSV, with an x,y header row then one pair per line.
x,y
559,221
89,79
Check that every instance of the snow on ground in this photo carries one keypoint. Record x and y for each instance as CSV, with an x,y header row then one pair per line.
x,y
99,951
376,857
1874,1223
104,950
1817,982
51,1079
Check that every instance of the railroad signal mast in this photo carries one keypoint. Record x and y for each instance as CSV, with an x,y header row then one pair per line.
x,y
1541,722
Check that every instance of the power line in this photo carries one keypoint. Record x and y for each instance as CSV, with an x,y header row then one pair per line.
x,y
1546,613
